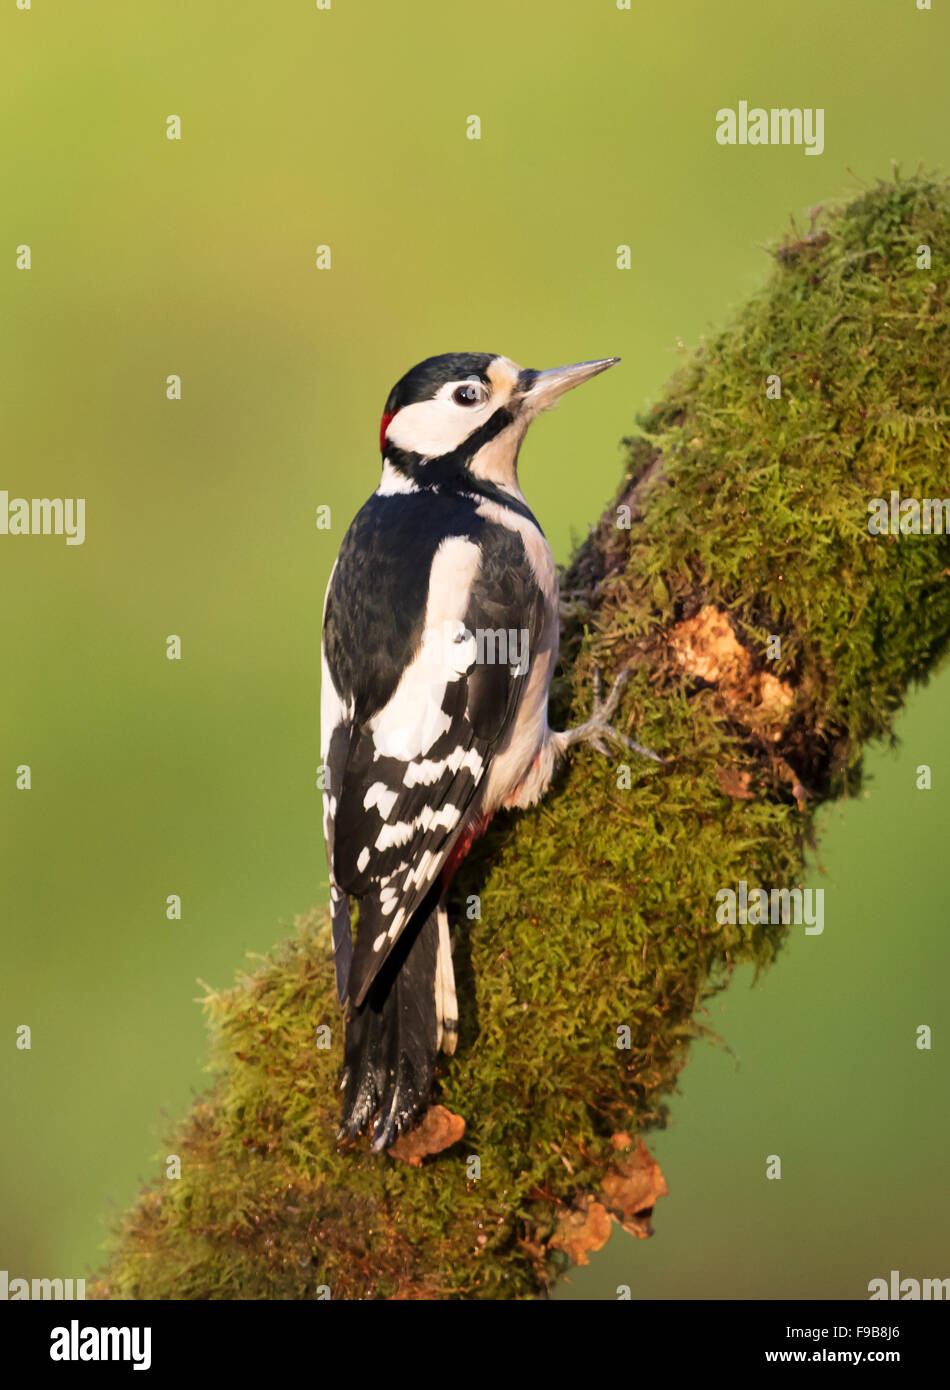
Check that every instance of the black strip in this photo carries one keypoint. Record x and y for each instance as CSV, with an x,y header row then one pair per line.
x,y
448,468
451,472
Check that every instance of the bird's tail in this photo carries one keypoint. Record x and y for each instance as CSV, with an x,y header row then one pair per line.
x,y
393,1037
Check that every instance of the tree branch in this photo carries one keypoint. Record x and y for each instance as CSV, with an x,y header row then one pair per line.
x,y
748,519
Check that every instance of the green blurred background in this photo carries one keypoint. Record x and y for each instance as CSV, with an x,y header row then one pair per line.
x,y
346,127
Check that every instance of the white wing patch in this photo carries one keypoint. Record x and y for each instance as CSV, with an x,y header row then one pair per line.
x,y
426,771
380,795
424,867
431,818
413,719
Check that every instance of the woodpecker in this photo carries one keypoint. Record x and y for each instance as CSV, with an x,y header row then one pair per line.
x,y
425,733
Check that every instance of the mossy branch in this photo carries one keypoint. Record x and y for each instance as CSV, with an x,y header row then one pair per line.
x,y
748,519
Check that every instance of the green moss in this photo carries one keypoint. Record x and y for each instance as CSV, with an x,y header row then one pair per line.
x,y
598,908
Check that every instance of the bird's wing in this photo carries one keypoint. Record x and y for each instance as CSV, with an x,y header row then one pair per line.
x,y
336,733
403,779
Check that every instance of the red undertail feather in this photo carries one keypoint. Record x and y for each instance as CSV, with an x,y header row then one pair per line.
x,y
462,846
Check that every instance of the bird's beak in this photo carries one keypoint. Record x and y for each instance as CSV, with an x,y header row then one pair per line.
x,y
541,390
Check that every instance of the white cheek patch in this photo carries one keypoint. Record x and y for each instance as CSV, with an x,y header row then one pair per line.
x,y
436,427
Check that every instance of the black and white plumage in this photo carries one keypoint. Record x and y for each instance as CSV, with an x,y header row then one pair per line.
x,y
428,724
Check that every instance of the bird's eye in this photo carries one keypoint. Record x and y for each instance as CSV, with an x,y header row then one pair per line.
x,y
469,393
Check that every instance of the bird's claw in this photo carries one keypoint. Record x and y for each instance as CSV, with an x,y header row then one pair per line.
x,y
598,726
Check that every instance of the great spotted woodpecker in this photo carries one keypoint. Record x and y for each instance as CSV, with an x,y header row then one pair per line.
x,y
425,732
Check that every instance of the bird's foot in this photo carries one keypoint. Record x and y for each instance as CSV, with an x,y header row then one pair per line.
x,y
598,727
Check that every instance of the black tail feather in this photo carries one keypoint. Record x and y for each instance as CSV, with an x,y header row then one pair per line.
x,y
392,1037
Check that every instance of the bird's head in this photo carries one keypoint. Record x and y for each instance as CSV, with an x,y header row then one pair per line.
x,y
462,416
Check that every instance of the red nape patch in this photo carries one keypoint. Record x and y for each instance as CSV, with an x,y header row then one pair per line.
x,y
462,846
383,427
